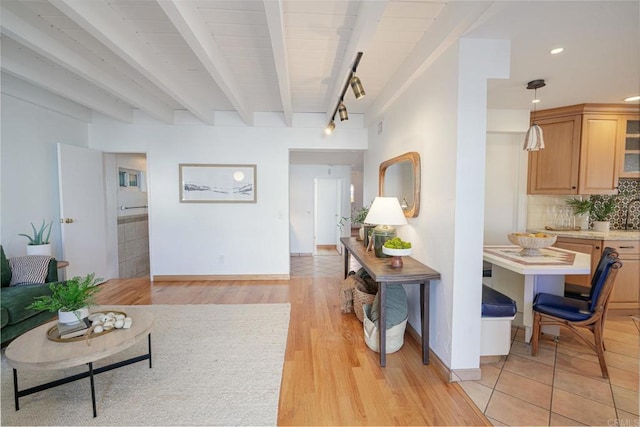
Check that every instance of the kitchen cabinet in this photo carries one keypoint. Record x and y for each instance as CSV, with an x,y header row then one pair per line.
x,y
626,291
584,149
630,167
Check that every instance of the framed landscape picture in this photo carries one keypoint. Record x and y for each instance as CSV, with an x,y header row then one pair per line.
x,y
206,183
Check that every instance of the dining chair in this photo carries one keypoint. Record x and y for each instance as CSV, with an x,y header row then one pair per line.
x,y
587,296
576,314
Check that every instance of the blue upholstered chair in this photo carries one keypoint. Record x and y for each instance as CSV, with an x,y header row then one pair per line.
x,y
575,314
601,264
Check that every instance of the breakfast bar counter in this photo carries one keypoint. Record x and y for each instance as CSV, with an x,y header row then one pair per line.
x,y
521,278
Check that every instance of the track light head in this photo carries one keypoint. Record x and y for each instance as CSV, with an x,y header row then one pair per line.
x,y
356,85
330,127
342,110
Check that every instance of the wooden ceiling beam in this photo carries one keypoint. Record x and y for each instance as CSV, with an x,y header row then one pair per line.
x,y
47,46
26,65
99,20
185,18
275,23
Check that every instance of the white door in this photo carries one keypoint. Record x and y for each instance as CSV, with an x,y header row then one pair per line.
x,y
82,210
327,212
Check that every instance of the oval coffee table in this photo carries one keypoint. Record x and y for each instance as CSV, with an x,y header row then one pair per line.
x,y
34,351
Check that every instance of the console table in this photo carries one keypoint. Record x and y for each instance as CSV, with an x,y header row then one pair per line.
x,y
412,272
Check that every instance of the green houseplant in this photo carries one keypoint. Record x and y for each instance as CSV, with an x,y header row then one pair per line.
x,y
357,217
39,241
39,237
598,207
71,299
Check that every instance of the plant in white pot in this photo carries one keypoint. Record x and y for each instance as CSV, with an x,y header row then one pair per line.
x,y
71,299
357,218
599,209
39,243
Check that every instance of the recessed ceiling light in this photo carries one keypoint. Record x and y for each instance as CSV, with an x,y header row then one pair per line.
x,y
633,98
556,50
535,101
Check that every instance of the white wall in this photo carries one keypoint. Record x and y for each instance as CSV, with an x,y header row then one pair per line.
x,y
30,168
220,238
301,207
505,208
442,116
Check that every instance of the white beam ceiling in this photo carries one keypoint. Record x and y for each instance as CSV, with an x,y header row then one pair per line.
x,y
99,20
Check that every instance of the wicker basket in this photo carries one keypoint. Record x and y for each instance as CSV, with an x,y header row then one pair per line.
x,y
395,334
359,300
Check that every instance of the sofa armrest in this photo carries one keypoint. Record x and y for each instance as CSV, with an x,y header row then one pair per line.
x,y
52,275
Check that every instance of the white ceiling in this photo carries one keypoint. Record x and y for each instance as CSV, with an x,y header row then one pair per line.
x,y
294,56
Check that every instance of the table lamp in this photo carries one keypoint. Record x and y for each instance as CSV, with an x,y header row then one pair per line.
x,y
385,212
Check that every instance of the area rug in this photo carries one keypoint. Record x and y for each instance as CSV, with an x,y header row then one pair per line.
x,y
212,365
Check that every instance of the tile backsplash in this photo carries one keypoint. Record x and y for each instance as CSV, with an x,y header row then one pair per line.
x,y
543,210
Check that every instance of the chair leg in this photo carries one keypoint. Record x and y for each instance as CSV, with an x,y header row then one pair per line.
x,y
597,332
535,333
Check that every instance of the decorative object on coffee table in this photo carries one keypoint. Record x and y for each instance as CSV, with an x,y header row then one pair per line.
x,y
71,299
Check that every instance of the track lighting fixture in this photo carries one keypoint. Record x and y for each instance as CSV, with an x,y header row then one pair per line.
x,y
356,86
330,127
342,111
358,92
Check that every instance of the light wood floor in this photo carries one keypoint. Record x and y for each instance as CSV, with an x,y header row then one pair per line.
x,y
330,377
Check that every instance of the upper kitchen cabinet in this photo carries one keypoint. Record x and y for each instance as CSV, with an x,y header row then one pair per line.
x,y
631,153
584,149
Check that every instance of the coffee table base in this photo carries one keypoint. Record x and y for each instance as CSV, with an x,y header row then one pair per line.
x,y
90,373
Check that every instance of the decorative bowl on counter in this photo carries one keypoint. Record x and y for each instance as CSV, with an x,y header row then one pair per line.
x,y
532,243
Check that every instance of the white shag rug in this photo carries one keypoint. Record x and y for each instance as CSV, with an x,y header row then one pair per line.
x,y
212,365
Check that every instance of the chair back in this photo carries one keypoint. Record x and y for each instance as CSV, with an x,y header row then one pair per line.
x,y
604,260
601,289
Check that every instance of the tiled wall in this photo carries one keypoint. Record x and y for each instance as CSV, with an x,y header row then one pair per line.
x,y
133,246
541,210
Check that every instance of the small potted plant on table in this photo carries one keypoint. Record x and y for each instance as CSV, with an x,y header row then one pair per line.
x,y
70,299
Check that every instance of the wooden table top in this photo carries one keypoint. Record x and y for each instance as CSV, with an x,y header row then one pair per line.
x,y
34,351
380,268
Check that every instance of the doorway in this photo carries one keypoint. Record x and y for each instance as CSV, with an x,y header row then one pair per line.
x,y
327,214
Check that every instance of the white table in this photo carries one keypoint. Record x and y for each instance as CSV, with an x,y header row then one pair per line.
x,y
521,278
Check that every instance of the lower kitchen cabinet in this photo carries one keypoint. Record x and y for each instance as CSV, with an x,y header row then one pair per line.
x,y
626,291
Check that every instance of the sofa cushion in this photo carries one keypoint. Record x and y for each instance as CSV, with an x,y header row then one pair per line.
x,y
15,299
29,269
5,269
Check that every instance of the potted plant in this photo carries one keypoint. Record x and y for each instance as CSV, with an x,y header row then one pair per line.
x,y
71,299
357,218
39,242
599,209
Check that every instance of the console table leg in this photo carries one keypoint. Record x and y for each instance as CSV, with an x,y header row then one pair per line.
x,y
93,390
382,324
15,389
424,315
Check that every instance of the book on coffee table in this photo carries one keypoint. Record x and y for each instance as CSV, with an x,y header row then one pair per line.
x,y
74,330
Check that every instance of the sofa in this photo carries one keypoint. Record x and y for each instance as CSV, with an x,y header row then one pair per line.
x,y
15,317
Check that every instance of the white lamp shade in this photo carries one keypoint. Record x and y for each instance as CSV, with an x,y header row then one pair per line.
x,y
387,211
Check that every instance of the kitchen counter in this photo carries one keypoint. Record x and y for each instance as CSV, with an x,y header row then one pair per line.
x,y
594,235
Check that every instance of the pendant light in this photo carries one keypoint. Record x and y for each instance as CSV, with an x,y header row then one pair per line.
x,y
534,140
356,86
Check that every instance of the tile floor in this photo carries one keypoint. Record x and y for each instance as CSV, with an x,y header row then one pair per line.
x,y
561,386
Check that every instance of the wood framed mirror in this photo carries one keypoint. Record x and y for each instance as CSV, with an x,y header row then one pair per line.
x,y
400,177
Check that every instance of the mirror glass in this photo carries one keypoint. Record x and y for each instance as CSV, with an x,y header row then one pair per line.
x,y
400,178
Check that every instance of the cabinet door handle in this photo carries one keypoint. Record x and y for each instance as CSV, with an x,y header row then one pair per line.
x,y
627,247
